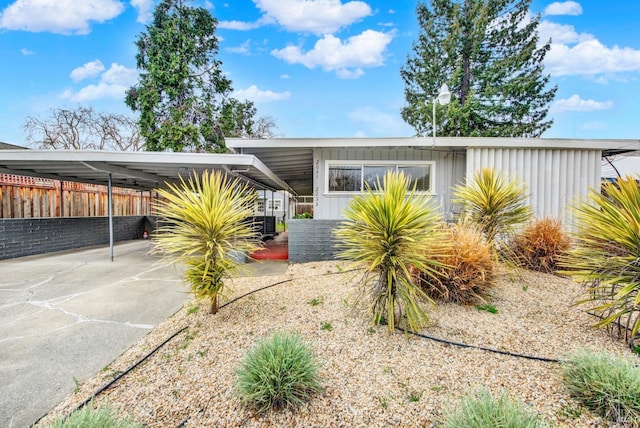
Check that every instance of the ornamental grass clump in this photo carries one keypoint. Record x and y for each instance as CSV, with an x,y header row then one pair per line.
x,y
606,256
95,417
203,224
467,265
482,410
497,205
278,372
387,232
540,245
607,384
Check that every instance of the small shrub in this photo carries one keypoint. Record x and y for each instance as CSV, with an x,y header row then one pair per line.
x,y
326,326
540,245
281,371
466,265
488,308
482,410
94,417
606,384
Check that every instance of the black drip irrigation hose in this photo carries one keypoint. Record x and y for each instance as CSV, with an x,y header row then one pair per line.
x,y
482,348
423,336
118,377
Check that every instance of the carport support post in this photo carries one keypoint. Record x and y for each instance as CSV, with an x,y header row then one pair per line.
x,y
110,210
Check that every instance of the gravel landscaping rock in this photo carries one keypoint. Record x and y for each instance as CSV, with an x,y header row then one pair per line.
x,y
371,378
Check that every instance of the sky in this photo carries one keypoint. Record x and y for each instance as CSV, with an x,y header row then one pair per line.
x,y
318,68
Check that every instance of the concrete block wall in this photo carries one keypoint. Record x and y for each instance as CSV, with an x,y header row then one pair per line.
x,y
311,240
25,237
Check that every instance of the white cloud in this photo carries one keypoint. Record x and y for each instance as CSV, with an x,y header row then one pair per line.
x,y
378,122
561,33
593,125
575,103
313,16
26,52
563,8
330,53
113,83
88,70
590,57
285,76
255,94
56,16
96,92
242,49
344,73
145,10
120,75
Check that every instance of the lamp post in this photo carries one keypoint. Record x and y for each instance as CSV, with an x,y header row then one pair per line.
x,y
444,96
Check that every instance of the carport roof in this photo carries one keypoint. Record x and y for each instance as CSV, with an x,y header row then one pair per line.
x,y
139,170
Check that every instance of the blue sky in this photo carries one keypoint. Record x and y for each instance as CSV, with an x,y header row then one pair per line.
x,y
319,68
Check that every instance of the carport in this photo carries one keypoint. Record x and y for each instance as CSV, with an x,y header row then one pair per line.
x,y
138,170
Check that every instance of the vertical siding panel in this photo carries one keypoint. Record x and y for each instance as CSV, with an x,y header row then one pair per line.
x,y
555,190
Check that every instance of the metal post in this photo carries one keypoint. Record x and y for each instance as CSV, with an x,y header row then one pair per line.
x,y
434,122
110,210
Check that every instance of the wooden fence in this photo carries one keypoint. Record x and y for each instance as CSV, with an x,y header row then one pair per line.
x,y
31,197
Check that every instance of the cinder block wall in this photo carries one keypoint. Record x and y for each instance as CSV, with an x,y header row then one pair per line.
x,y
25,237
310,240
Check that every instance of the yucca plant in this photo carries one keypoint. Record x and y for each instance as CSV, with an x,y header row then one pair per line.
x,y
388,232
203,224
541,244
467,265
606,255
493,202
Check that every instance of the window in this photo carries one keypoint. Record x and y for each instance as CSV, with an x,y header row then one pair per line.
x,y
274,205
259,205
353,176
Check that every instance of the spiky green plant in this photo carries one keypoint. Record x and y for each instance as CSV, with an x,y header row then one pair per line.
x,y
606,255
204,225
481,410
493,202
91,416
607,384
281,371
387,232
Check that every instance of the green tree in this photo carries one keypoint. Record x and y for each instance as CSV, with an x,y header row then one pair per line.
x,y
487,51
238,120
182,87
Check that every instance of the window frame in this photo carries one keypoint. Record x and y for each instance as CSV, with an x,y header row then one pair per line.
x,y
395,164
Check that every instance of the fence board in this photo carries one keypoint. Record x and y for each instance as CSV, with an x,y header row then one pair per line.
x,y
30,197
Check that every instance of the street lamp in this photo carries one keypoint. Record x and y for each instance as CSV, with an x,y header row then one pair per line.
x,y
444,96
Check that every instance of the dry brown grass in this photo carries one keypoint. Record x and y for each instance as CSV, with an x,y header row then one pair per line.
x,y
467,266
541,244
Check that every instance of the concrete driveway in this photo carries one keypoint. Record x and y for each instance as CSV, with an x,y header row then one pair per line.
x,y
70,314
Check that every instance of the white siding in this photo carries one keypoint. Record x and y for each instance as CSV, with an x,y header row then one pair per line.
x,y
449,170
555,178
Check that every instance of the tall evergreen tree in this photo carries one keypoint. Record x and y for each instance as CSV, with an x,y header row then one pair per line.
x,y
487,52
181,88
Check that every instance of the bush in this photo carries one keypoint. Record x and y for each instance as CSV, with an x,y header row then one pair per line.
x,y
493,203
467,265
606,384
387,231
278,372
540,245
92,417
606,253
482,410
203,225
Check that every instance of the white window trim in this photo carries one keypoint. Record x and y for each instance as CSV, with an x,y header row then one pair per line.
x,y
396,163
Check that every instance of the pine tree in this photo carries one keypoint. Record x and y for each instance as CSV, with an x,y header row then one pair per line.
x,y
182,87
487,52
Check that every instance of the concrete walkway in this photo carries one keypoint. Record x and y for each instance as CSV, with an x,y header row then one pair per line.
x,y
67,315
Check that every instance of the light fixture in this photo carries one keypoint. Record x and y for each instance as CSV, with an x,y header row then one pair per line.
x,y
444,96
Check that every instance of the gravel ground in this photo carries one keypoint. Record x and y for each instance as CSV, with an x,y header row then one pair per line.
x,y
371,378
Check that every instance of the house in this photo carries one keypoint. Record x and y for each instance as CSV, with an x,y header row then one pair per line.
x,y
556,172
